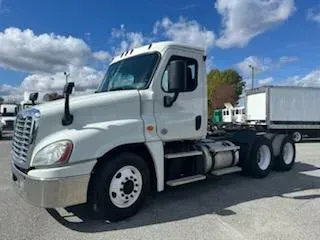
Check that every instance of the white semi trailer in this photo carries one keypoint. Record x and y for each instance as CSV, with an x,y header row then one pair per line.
x,y
289,110
143,130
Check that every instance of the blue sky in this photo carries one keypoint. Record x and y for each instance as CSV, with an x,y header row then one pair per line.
x,y
40,39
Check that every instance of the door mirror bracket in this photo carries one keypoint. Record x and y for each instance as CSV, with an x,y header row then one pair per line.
x,y
168,101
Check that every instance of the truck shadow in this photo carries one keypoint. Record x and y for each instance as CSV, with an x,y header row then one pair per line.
x,y
213,196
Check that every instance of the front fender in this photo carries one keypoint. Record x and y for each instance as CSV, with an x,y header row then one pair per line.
x,y
94,140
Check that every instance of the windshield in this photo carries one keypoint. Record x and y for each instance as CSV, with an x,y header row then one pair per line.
x,y
130,73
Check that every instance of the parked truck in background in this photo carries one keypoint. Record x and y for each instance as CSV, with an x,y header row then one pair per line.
x,y
222,118
8,113
290,110
143,130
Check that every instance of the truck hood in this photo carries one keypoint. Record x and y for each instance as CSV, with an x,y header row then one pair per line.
x,y
88,109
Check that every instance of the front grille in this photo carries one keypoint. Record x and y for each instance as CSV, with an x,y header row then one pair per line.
x,y
22,138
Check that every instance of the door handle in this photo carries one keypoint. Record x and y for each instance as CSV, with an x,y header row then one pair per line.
x,y
198,122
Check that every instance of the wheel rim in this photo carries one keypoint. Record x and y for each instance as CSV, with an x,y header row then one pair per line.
x,y
125,187
288,153
264,157
297,136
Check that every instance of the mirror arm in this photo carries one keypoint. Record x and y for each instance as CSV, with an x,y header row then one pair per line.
x,y
168,101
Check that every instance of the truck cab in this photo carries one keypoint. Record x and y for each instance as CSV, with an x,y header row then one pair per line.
x,y
8,113
144,128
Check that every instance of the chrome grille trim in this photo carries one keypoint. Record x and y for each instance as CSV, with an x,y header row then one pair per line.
x,y
23,137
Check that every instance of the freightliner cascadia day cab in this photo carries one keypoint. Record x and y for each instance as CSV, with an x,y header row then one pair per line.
x,y
144,129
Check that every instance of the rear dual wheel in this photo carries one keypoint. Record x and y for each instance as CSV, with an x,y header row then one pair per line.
x,y
261,158
286,159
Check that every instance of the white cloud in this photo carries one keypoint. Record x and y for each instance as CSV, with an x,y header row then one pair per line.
x,y
102,55
245,19
312,79
22,50
45,57
184,31
263,64
6,89
313,15
265,81
84,77
286,60
259,64
128,40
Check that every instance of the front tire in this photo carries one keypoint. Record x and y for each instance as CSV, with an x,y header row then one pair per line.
x,y
120,187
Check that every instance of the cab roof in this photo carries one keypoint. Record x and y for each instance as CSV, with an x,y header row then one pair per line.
x,y
158,47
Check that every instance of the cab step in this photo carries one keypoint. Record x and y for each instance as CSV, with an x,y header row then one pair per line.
x,y
182,154
185,180
224,171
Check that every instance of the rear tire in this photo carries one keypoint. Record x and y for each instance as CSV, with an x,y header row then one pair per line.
x,y
297,137
286,159
120,187
261,158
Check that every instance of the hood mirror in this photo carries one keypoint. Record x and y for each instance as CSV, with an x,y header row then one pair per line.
x,y
67,117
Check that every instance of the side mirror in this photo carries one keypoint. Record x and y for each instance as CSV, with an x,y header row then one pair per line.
x,y
67,117
177,76
68,88
33,97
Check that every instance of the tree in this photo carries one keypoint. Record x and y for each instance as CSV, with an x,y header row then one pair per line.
x,y
223,86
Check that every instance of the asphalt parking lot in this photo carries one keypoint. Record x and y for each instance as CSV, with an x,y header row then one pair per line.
x,y
282,206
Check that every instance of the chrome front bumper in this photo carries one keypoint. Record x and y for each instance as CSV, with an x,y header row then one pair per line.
x,y
53,192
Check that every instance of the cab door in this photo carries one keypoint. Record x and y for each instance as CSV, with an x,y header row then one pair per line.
x,y
185,118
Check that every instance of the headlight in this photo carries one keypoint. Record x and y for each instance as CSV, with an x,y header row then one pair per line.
x,y
54,154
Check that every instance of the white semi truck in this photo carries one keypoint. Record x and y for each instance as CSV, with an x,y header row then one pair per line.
x,y
8,113
285,109
143,130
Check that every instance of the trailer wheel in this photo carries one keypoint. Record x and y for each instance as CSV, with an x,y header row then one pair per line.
x,y
297,137
286,159
120,187
261,158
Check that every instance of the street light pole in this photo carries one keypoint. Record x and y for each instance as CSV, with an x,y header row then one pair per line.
x,y
252,76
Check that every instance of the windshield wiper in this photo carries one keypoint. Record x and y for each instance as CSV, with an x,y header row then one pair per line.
x,y
121,88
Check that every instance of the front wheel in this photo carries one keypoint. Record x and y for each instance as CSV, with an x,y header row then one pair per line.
x,y
120,187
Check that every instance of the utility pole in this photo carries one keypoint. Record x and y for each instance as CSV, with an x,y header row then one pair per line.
x,y
252,76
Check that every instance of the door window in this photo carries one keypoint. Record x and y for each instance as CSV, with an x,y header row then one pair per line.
x,y
192,74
